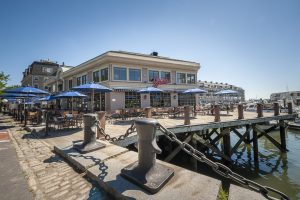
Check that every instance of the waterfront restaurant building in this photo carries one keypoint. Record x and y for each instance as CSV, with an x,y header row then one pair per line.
x,y
126,73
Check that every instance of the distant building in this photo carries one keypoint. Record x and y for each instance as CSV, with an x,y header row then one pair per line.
x,y
286,96
55,83
213,87
40,72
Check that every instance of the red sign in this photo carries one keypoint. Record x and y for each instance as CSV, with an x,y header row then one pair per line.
x,y
157,82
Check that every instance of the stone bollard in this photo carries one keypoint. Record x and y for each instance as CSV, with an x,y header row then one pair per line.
x,y
187,120
240,111
101,117
90,130
290,108
217,113
276,109
259,110
212,109
231,107
146,172
148,112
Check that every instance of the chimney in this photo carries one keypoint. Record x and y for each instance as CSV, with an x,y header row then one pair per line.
x,y
154,53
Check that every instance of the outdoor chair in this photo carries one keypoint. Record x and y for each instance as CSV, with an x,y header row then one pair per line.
x,y
32,117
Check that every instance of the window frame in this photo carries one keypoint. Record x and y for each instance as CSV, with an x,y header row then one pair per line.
x,y
114,67
177,73
140,77
153,70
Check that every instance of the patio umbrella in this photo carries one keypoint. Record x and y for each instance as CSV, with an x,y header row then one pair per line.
x,y
70,94
47,98
224,92
194,91
92,87
26,90
150,90
17,96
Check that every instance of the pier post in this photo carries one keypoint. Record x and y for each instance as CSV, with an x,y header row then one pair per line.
x,y
259,110
241,111
187,120
226,142
255,145
212,109
148,112
248,134
282,135
146,172
276,109
217,113
101,118
194,160
290,108
90,131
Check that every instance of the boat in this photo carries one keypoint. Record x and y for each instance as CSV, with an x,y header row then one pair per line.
x,y
295,125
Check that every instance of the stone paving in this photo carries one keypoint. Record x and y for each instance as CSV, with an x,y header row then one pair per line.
x,y
48,175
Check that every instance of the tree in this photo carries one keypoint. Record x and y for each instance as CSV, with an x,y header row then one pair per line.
x,y
3,80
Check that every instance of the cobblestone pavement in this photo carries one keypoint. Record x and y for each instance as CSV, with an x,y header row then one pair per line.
x,y
48,175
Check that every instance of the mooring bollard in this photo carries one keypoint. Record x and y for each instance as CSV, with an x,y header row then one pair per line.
x,y
146,172
101,117
290,108
276,109
217,113
187,120
259,110
148,112
89,143
240,111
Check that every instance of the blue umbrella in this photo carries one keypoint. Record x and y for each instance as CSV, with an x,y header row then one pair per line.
x,y
47,98
26,90
13,95
194,91
70,94
226,92
92,87
150,90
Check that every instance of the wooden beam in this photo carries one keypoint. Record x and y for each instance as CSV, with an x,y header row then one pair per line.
x,y
243,138
255,145
177,149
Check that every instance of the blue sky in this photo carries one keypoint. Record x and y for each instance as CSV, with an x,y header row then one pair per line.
x,y
252,44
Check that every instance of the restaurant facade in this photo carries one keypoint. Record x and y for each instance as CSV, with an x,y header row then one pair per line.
x,y
126,73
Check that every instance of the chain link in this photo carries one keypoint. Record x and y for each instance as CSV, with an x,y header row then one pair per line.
x,y
107,137
220,168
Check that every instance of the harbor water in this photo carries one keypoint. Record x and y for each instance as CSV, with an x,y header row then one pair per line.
x,y
275,169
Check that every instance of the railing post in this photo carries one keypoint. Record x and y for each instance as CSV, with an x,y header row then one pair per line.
x,y
259,110
101,117
240,111
217,113
187,120
148,112
146,172
276,109
290,108
282,135
89,143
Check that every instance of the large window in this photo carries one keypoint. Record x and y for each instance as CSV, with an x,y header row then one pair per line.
x,y
181,78
104,74
70,83
160,100
96,76
47,69
191,78
186,99
120,73
134,74
132,100
83,79
78,81
153,75
165,75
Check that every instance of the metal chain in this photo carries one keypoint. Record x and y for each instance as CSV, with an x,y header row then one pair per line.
x,y
220,168
107,137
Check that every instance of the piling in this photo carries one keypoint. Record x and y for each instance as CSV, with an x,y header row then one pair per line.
x,y
217,113
290,108
276,109
187,120
148,112
248,134
255,145
259,110
226,142
282,135
241,111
